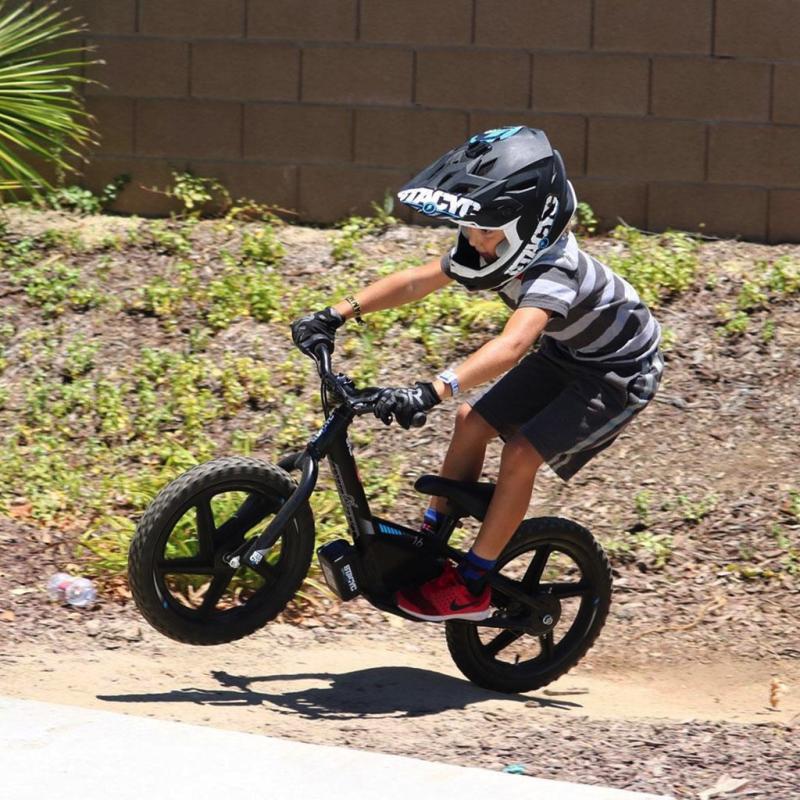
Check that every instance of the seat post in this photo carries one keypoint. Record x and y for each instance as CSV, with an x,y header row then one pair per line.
x,y
446,527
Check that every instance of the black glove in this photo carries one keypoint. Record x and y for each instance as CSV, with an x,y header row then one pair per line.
x,y
317,328
404,403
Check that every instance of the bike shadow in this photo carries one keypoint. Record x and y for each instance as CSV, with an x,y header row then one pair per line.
x,y
374,692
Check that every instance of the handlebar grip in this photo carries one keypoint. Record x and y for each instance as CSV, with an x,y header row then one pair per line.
x,y
419,419
323,355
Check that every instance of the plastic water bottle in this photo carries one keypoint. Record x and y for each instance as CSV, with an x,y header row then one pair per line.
x,y
78,592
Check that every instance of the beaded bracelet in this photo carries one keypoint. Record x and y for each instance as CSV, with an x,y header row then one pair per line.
x,y
356,309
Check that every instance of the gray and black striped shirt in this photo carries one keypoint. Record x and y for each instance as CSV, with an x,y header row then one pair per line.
x,y
598,318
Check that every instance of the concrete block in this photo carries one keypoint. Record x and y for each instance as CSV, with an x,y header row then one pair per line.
x,y
245,70
140,68
653,26
331,193
731,211
417,21
459,79
273,184
762,155
380,75
590,84
297,133
188,128
114,123
302,20
534,24
706,88
766,30
215,18
614,201
145,173
784,216
406,138
786,94
646,149
108,16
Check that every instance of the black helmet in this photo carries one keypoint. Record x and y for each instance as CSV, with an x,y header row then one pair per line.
x,y
506,178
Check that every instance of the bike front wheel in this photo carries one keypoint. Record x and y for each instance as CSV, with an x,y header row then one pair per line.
x,y
178,577
550,556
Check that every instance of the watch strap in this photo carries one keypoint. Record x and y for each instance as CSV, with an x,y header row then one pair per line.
x,y
451,379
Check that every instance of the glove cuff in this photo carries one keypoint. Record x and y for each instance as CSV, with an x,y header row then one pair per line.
x,y
334,317
431,397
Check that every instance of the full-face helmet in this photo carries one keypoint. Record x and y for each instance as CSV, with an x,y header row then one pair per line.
x,y
507,179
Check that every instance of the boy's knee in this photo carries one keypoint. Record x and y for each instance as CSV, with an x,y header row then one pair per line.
x,y
470,421
519,453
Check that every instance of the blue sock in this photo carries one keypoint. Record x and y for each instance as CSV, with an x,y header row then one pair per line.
x,y
474,567
431,520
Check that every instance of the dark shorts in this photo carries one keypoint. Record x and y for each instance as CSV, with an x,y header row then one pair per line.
x,y
568,411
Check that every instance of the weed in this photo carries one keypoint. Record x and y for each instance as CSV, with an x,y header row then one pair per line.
x,y
262,247
659,266
354,229
641,504
169,240
632,546
83,201
79,358
585,222
693,511
55,287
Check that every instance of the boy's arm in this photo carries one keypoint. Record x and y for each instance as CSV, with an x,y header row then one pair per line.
x,y
397,289
501,353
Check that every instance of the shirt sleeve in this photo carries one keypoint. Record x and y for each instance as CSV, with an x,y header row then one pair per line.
x,y
548,287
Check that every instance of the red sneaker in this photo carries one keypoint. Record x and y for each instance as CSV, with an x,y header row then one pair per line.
x,y
445,597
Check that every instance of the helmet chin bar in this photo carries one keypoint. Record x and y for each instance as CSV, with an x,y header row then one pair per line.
x,y
514,255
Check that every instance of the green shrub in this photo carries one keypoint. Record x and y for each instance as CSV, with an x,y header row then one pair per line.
x,y
657,266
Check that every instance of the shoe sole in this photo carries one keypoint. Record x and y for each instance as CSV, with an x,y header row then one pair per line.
x,y
474,616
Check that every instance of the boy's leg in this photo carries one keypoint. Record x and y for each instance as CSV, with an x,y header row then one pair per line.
x,y
519,464
467,450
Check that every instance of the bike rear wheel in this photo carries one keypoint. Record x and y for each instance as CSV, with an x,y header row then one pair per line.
x,y
178,578
546,555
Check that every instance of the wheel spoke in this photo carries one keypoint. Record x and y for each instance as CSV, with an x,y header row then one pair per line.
x,y
501,641
219,583
535,569
547,645
184,566
205,527
565,590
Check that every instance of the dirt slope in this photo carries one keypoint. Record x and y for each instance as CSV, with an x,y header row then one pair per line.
x,y
696,504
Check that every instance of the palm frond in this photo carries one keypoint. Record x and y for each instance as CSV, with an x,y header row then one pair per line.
x,y
42,115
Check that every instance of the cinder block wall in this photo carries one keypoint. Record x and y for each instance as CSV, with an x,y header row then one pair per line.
x,y
678,113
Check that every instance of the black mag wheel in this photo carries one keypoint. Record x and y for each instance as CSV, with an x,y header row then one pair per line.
x,y
177,575
546,555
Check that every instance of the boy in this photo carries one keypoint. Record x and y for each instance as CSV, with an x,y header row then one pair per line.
x,y
597,365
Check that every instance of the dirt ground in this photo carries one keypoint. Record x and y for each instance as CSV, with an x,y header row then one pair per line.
x,y
694,682
359,679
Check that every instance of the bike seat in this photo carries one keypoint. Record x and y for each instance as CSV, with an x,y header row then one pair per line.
x,y
467,498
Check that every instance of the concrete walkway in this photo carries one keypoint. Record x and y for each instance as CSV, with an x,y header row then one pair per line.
x,y
67,752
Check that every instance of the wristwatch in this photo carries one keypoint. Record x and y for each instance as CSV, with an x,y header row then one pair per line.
x,y
451,379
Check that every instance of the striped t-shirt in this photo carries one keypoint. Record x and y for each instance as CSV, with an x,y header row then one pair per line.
x,y
597,316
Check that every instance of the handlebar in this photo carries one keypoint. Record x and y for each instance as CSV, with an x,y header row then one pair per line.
x,y
362,401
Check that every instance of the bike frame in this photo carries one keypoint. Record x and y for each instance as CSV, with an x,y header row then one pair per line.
x,y
391,554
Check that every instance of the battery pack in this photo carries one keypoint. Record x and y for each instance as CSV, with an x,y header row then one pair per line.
x,y
339,562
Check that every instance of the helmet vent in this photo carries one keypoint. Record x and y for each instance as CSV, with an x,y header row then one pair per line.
x,y
521,183
484,167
